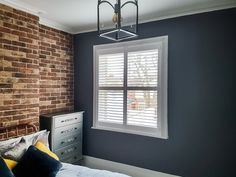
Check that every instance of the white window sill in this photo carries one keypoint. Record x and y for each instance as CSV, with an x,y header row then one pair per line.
x,y
155,135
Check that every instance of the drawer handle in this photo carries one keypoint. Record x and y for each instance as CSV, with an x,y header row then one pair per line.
x,y
68,120
68,150
69,130
71,149
69,140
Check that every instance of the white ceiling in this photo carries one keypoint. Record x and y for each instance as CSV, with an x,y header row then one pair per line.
x,y
76,16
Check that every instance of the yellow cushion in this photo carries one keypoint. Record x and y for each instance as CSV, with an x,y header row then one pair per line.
x,y
10,163
40,146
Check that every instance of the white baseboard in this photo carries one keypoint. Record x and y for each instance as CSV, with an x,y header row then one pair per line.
x,y
133,171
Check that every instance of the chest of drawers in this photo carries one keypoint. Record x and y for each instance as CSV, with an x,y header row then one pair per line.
x,y
65,137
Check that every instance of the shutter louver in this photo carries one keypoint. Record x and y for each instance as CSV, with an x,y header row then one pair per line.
x,y
111,71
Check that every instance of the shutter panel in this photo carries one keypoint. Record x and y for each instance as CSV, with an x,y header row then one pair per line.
x,y
142,104
110,102
143,68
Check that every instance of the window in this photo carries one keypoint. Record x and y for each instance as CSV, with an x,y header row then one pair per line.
x,y
130,87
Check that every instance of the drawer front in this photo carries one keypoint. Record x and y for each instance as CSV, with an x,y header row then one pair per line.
x,y
68,130
74,158
65,120
61,142
66,152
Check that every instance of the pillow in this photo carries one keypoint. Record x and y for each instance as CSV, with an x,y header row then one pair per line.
x,y
37,164
40,146
16,152
8,144
43,137
10,163
33,138
4,170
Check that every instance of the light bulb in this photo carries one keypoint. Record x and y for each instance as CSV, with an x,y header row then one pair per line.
x,y
115,18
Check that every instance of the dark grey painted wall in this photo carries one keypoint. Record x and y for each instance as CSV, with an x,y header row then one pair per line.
x,y
202,121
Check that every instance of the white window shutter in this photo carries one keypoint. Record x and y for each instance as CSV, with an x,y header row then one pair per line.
x,y
130,87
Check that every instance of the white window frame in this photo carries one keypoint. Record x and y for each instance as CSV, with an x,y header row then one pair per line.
x,y
160,43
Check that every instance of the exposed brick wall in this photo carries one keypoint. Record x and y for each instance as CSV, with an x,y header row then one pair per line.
x,y
56,70
36,69
19,68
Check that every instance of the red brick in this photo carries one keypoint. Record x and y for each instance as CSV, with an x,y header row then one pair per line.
x,y
11,26
5,30
8,102
23,39
10,47
18,43
5,85
26,50
19,33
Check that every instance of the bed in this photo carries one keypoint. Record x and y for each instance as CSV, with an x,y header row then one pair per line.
x,y
69,170
27,141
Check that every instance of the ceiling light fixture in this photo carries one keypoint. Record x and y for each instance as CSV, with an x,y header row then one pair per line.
x,y
121,32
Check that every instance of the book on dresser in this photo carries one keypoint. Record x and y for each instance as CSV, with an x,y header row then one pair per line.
x,y
65,138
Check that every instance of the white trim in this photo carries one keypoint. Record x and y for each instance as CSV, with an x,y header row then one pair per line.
x,y
133,171
159,43
135,132
178,14
56,25
45,21
163,96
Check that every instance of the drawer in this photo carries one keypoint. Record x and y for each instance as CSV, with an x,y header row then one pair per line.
x,y
68,130
68,119
74,158
61,142
66,152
